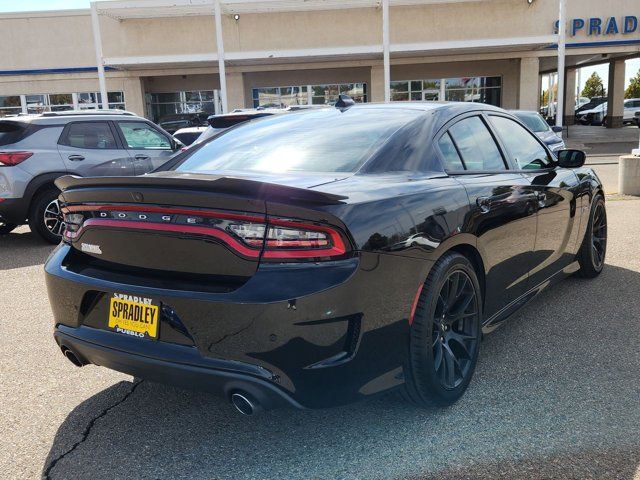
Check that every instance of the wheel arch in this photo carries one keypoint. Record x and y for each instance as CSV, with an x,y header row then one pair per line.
x,y
39,184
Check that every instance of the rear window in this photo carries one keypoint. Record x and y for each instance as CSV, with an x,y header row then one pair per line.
x,y
10,132
326,140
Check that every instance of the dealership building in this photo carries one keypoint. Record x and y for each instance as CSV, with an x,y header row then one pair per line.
x,y
156,57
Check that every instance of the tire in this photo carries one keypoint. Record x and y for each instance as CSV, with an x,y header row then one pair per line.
x,y
43,204
6,228
438,370
593,250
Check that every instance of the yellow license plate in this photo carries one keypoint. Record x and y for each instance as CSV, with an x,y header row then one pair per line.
x,y
132,315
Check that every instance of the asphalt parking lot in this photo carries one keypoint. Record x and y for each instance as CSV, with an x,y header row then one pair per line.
x,y
556,395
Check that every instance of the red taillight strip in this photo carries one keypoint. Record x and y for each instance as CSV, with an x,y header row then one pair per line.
x,y
414,306
210,232
175,211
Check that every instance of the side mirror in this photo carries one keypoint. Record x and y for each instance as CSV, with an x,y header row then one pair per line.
x,y
571,158
556,129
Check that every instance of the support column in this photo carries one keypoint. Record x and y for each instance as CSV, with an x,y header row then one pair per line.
x,y
97,41
385,50
235,90
562,35
377,87
570,97
134,96
221,65
615,100
529,92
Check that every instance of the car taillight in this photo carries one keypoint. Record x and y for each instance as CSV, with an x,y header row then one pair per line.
x,y
72,222
288,239
10,159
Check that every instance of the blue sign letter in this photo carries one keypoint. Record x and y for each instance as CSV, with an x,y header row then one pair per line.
x,y
630,24
612,27
595,26
578,24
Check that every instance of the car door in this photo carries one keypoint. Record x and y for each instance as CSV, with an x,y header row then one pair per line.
x,y
502,209
91,149
556,190
148,147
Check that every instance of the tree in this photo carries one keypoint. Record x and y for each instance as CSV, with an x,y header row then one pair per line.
x,y
594,87
633,90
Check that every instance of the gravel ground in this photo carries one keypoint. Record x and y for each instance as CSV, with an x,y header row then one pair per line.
x,y
555,395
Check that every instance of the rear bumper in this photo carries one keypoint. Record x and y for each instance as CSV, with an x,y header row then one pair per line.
x,y
173,364
322,334
14,210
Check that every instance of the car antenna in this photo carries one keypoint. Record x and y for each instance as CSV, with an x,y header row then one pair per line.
x,y
344,102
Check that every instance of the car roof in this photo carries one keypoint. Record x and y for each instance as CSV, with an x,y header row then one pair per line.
x,y
523,111
69,115
191,130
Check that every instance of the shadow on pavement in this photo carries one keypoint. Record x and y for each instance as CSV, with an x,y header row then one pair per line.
x,y
555,396
22,248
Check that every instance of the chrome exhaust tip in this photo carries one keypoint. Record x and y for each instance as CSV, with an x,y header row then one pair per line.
x,y
244,403
72,357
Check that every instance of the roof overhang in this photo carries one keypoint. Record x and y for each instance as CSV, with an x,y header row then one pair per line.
x,y
130,9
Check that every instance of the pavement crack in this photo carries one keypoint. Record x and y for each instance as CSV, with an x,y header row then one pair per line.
x,y
85,434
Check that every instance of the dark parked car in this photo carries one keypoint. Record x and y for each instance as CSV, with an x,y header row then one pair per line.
x,y
174,122
319,257
551,135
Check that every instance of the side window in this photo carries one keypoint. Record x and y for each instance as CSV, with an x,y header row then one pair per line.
x,y
90,135
140,135
476,145
452,160
524,148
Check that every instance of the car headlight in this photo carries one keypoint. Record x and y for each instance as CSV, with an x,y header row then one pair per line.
x,y
557,146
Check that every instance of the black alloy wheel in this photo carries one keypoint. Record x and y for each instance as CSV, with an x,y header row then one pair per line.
x,y
454,331
445,334
593,251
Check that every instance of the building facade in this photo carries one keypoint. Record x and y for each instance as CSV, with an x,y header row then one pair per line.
x,y
166,56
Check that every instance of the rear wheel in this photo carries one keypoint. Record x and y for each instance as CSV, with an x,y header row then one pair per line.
x,y
6,228
45,216
445,334
593,251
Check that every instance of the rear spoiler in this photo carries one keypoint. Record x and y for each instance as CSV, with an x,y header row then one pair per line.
x,y
207,183
232,119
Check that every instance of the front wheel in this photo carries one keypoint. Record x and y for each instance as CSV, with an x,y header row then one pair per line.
x,y
6,228
45,216
593,250
445,334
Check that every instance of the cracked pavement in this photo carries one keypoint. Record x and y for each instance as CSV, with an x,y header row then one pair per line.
x,y
555,395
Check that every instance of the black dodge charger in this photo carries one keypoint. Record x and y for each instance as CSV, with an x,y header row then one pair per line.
x,y
319,257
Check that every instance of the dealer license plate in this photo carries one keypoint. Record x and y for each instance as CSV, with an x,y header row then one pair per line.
x,y
132,315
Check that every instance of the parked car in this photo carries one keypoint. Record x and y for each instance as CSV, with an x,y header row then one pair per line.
x,y
295,276
37,149
551,135
598,115
189,135
593,103
175,121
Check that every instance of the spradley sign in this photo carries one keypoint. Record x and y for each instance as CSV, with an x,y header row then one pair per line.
x,y
596,26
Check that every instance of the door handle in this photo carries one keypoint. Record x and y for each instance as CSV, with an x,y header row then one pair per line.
x,y
484,203
141,157
76,158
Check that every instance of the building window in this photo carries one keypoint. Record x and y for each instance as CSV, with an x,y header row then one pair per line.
x,y
41,103
93,100
198,101
464,89
326,94
10,105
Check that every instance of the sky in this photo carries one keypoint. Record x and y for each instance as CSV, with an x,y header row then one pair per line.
x,y
31,5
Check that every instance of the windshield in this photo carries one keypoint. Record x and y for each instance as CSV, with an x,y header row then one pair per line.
x,y
534,121
326,140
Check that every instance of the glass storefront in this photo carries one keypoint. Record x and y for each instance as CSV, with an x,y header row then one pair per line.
x,y
325,94
162,104
464,89
57,102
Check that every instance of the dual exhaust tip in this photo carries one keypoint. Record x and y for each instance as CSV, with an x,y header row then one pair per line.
x,y
243,402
